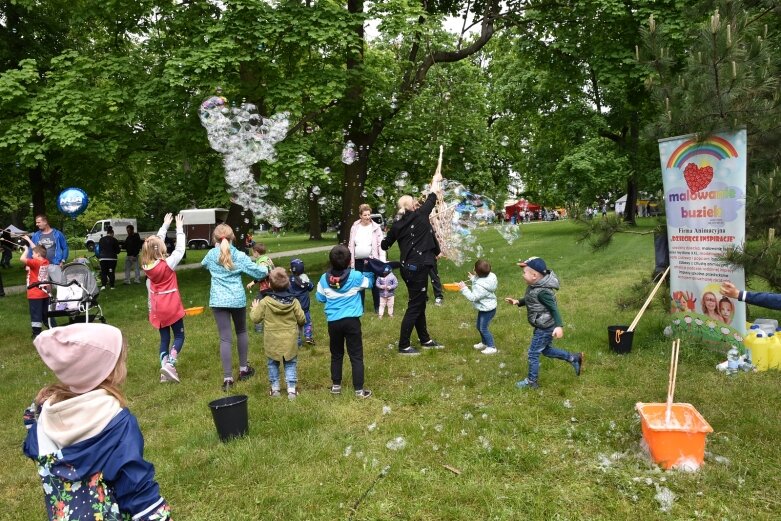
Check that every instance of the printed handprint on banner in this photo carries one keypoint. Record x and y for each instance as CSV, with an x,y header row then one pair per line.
x,y
683,301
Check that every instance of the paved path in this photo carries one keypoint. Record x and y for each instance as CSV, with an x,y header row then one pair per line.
x,y
120,275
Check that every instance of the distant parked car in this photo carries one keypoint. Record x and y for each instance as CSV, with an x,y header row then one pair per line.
x,y
379,219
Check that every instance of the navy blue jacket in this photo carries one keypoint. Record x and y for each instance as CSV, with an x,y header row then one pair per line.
x,y
118,453
766,300
300,290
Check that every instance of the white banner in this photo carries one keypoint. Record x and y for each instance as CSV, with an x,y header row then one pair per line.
x,y
705,201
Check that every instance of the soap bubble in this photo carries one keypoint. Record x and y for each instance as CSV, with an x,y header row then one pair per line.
x,y
379,192
316,190
509,232
505,141
401,180
349,154
327,170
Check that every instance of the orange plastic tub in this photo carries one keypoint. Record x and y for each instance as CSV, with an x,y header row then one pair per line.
x,y
452,286
191,312
682,441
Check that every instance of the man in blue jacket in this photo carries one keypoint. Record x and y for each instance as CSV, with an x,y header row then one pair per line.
x,y
52,239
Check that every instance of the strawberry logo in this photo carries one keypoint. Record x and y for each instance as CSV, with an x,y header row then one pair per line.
x,y
697,178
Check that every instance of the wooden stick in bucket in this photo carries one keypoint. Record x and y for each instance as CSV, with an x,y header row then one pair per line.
x,y
648,300
671,381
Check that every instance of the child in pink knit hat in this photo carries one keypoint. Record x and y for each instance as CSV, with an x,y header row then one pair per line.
x,y
88,447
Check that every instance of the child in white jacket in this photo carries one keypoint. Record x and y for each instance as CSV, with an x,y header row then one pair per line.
x,y
387,286
483,297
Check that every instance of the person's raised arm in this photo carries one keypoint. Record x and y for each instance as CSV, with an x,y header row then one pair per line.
x,y
163,231
178,254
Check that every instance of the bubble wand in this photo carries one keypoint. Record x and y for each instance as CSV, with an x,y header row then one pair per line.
x,y
442,217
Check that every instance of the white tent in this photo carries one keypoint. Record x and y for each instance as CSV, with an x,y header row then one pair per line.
x,y
13,230
621,205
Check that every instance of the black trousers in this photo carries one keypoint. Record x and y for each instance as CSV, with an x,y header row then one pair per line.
x,y
415,316
108,267
436,283
346,331
362,266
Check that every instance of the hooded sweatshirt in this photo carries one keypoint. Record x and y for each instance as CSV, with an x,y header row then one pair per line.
x,y
281,315
90,457
483,292
340,290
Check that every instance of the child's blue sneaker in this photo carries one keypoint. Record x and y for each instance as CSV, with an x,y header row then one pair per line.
x,y
526,384
577,363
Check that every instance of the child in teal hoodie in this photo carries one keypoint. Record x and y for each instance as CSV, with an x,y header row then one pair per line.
x,y
340,289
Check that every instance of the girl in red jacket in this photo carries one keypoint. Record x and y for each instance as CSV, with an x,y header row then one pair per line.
x,y
166,312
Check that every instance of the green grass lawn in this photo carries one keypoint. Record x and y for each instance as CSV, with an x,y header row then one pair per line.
x,y
571,450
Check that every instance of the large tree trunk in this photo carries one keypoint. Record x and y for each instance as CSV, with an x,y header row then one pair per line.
x,y
37,187
354,182
632,147
313,210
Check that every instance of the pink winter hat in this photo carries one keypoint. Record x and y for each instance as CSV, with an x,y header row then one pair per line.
x,y
80,355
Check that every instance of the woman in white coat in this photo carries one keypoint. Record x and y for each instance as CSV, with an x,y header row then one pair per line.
x,y
364,244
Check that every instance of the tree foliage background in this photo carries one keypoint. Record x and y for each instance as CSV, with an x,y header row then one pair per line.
x,y
564,99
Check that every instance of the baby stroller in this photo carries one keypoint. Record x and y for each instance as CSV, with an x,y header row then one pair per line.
x,y
74,294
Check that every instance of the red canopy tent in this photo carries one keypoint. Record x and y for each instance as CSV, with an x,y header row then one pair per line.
x,y
522,205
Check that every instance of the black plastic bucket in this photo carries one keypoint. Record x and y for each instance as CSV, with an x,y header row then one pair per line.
x,y
620,339
230,416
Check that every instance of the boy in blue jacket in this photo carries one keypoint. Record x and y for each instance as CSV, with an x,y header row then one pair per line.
x,y
340,289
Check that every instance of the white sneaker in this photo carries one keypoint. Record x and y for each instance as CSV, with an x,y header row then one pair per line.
x,y
479,346
169,372
489,351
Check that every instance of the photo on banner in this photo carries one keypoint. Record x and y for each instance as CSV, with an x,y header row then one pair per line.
x,y
705,200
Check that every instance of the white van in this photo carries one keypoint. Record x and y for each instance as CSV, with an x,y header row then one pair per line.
x,y
99,229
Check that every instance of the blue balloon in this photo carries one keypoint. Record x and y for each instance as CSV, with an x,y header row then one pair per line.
x,y
72,202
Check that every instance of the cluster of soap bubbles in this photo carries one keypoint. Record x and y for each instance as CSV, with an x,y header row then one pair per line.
x,y
244,137
465,212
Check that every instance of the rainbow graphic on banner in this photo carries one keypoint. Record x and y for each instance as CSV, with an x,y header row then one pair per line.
x,y
714,146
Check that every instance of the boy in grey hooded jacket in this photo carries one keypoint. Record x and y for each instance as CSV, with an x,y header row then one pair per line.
x,y
483,297
543,315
